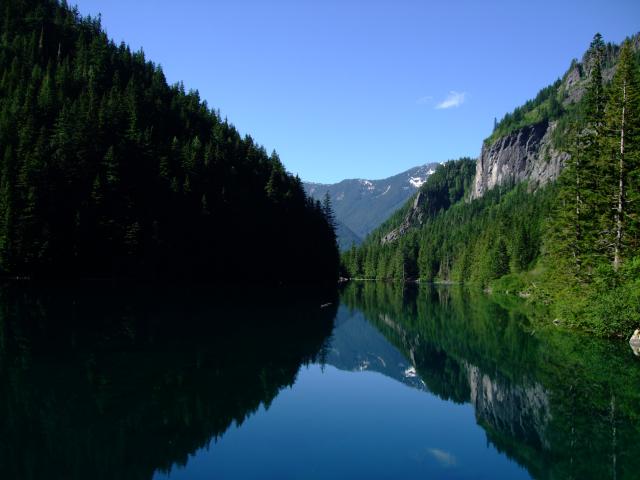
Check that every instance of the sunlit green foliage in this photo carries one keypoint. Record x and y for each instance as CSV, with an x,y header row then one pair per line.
x,y
594,245
547,105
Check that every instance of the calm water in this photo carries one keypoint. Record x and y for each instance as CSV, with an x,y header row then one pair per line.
x,y
385,383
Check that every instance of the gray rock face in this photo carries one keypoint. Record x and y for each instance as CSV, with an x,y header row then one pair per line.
x,y
414,217
526,154
634,342
574,84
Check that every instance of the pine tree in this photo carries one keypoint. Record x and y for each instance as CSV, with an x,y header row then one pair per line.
x,y
7,208
623,130
426,262
500,260
522,249
111,167
353,265
383,270
580,200
399,266
327,210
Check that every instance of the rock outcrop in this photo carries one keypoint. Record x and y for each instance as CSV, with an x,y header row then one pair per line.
x,y
634,342
526,154
413,218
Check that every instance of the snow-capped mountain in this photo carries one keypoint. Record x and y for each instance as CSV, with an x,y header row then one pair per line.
x,y
362,205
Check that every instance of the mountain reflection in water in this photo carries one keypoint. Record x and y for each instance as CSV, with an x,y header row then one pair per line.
x,y
163,382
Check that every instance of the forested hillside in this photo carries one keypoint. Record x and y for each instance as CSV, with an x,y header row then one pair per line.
x,y
573,243
106,170
446,238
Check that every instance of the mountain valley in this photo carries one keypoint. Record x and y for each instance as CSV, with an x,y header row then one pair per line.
x,y
361,205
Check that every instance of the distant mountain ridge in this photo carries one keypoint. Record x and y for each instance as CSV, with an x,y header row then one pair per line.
x,y
362,205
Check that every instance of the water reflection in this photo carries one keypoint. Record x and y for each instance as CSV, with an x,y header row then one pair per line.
x,y
562,405
120,382
157,382
357,345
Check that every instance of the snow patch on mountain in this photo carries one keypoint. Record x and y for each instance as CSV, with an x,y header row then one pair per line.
x,y
417,182
361,205
367,184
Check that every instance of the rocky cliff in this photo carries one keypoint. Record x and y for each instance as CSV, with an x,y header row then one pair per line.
x,y
528,145
412,218
526,154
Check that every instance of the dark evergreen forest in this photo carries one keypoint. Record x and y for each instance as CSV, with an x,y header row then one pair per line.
x,y
106,170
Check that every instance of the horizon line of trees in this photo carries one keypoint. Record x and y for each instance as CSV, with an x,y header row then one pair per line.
x,y
106,170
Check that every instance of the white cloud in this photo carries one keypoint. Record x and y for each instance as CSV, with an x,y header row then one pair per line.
x,y
424,100
454,99
445,459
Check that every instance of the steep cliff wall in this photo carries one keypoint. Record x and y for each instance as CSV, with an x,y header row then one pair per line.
x,y
414,217
526,154
527,145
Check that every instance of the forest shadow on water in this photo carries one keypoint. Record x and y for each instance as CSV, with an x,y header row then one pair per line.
x,y
106,381
111,382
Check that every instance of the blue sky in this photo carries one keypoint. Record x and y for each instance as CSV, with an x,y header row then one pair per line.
x,y
364,88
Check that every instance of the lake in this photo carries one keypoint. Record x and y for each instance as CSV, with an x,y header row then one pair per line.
x,y
381,382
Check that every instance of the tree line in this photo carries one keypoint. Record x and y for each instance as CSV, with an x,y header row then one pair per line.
x,y
106,170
